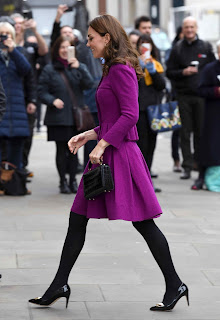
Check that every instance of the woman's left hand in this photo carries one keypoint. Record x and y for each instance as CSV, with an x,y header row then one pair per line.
x,y
96,156
74,63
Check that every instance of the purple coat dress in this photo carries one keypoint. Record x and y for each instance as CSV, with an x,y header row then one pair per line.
x,y
133,198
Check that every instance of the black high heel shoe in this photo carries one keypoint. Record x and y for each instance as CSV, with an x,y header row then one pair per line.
x,y
63,292
182,291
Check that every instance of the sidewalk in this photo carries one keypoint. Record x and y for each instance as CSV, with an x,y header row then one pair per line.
x,y
115,278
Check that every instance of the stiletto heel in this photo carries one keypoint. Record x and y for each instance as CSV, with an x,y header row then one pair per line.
x,y
187,296
67,301
63,292
182,291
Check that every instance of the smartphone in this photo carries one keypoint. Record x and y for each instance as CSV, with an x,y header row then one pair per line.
x,y
70,8
27,14
145,50
70,52
194,64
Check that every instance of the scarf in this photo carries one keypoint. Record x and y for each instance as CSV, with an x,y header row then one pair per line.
x,y
147,76
63,61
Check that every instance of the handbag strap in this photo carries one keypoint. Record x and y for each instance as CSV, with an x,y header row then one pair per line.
x,y
71,93
7,164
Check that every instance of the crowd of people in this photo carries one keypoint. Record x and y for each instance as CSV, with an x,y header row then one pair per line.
x,y
28,66
126,82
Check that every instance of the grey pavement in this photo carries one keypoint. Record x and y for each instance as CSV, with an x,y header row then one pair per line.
x,y
115,277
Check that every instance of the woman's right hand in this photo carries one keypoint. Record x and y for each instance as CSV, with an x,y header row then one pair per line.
x,y
77,142
9,43
58,103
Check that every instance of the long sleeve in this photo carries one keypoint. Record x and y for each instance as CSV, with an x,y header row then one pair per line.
x,y
173,69
124,86
83,74
55,33
30,87
21,63
158,81
207,86
43,88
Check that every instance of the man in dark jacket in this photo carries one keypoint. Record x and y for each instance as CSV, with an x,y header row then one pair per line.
x,y
2,101
187,59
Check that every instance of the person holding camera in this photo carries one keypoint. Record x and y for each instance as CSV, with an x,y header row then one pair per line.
x,y
58,82
13,67
32,51
187,59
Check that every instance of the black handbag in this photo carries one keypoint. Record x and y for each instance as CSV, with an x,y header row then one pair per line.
x,y
97,181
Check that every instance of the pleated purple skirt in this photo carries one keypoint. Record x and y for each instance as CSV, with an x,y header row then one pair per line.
x,y
133,198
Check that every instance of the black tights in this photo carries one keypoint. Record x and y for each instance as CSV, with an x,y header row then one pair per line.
x,y
65,161
151,233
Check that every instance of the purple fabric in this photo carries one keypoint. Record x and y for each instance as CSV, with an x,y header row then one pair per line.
x,y
63,61
133,198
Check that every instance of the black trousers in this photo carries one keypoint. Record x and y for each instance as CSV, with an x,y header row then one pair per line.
x,y
28,140
191,113
147,138
65,162
175,144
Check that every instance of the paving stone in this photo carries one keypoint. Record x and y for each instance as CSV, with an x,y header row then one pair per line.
x,y
58,311
23,293
20,235
117,310
213,275
7,261
12,311
116,274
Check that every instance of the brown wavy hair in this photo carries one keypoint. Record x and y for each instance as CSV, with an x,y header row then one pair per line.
x,y
56,46
118,49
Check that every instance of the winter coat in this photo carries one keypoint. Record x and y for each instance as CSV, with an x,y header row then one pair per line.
x,y
208,89
152,94
12,72
180,58
2,101
51,86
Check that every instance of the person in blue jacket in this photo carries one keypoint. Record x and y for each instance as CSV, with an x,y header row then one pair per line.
x,y
13,67
2,101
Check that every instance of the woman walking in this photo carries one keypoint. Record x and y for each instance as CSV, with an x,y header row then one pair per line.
x,y
117,102
58,82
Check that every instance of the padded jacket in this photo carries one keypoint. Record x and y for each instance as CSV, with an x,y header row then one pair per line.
x,y
51,86
12,71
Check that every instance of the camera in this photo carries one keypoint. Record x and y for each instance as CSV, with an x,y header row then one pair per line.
x,y
70,8
27,14
3,37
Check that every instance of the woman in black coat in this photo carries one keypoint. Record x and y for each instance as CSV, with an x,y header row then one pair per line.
x,y
209,88
150,93
54,92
